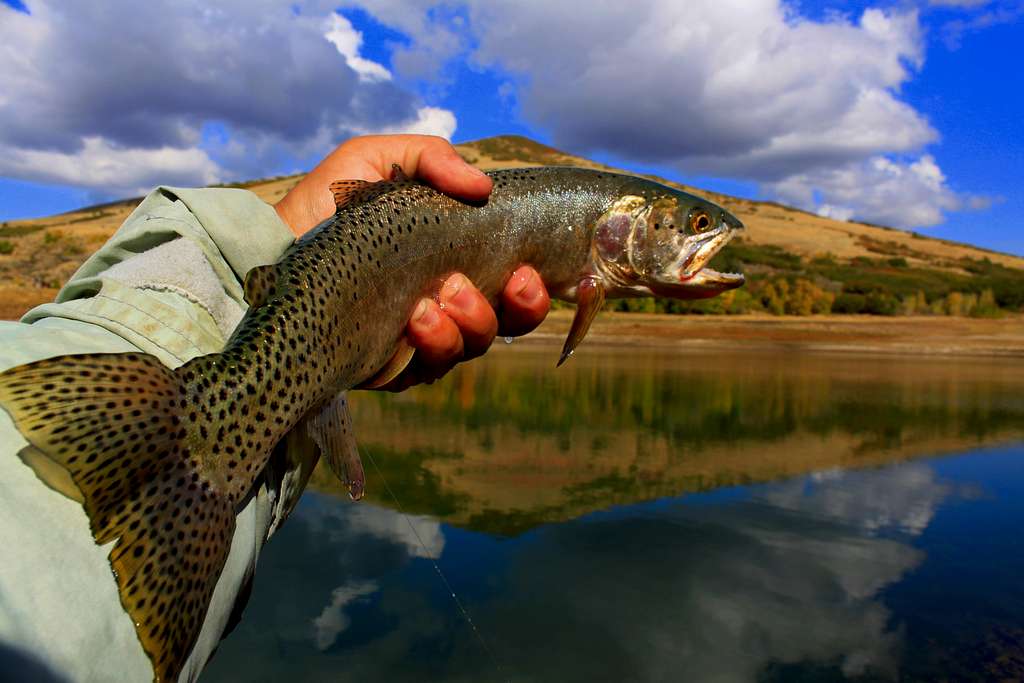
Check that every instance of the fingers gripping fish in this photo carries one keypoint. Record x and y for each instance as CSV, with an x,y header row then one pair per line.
x,y
163,459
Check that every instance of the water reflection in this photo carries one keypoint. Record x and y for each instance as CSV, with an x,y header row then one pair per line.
x,y
740,585
901,499
508,443
615,527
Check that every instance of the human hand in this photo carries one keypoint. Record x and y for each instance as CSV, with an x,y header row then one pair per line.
x,y
466,325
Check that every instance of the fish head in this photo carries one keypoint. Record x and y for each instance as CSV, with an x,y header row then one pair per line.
x,y
660,244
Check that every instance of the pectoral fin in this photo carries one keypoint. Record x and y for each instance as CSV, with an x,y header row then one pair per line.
x,y
331,430
589,299
401,358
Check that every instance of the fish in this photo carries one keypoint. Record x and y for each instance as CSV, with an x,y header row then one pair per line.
x,y
163,459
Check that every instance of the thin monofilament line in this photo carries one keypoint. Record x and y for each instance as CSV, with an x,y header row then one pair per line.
x,y
437,568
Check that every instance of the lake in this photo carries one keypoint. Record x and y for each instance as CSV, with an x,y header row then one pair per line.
x,y
645,515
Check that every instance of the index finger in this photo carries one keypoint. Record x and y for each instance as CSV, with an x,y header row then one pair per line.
x,y
441,167
429,158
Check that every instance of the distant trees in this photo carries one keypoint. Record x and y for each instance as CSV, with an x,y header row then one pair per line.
x,y
897,282
801,296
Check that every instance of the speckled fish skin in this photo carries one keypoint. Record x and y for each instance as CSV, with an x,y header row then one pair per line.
x,y
164,459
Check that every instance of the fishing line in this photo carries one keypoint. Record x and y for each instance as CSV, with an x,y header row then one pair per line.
x,y
437,568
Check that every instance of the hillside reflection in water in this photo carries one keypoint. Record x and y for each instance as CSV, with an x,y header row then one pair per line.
x,y
656,517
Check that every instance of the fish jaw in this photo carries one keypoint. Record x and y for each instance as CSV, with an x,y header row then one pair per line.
x,y
703,284
689,278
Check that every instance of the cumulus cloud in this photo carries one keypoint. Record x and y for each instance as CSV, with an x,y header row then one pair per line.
x,y
119,171
114,99
878,190
347,40
740,89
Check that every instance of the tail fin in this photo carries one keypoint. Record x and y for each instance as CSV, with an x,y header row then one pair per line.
x,y
116,425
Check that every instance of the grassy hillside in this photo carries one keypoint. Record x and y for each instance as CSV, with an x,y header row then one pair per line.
x,y
797,262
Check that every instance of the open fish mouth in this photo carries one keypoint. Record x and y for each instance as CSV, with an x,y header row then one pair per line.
x,y
692,270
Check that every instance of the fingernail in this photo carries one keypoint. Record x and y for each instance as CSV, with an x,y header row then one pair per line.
x,y
425,314
528,289
456,293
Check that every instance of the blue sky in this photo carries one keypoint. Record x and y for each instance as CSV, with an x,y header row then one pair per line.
x,y
901,113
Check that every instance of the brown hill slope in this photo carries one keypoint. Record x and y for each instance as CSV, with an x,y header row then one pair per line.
x,y
37,255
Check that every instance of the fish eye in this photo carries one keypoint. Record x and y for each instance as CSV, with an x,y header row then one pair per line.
x,y
700,221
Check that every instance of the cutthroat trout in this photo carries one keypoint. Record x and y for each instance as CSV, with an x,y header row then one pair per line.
x,y
162,459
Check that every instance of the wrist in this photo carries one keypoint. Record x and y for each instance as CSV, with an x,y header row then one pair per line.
x,y
286,212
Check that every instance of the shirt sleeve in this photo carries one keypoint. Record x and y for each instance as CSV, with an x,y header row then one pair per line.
x,y
168,283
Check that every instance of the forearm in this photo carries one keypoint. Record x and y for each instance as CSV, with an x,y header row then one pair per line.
x,y
167,284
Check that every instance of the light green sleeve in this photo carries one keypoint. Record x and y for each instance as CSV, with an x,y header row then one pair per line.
x,y
209,237
167,283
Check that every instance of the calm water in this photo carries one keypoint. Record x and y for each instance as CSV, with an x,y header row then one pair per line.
x,y
645,516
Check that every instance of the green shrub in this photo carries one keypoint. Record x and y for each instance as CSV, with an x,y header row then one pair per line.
x,y
881,303
849,303
6,246
740,302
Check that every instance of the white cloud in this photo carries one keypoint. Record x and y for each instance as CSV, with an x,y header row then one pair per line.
x,y
420,536
342,35
977,16
745,89
839,213
333,621
99,166
903,500
120,99
793,576
429,121
878,190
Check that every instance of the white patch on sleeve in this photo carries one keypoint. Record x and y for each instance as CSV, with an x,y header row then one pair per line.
x,y
180,266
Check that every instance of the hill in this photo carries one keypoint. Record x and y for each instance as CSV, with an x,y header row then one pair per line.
x,y
799,262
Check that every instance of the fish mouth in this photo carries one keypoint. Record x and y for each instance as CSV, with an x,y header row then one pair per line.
x,y
688,278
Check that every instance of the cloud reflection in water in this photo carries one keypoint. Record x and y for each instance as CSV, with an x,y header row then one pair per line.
x,y
715,587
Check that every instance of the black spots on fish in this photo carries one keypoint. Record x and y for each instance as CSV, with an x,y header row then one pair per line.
x,y
131,469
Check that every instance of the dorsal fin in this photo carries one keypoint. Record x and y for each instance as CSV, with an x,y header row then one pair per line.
x,y
398,175
349,193
259,283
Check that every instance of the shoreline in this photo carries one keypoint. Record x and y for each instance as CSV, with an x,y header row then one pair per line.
x,y
928,336
830,334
